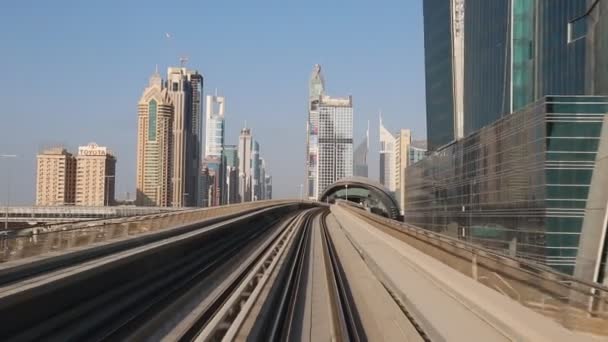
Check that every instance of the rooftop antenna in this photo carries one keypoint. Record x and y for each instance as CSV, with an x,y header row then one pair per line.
x,y
183,60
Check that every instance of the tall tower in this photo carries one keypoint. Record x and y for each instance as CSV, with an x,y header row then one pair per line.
x,y
387,158
214,126
315,92
245,167
154,147
255,170
335,141
184,87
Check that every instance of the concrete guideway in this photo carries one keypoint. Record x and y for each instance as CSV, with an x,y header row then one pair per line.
x,y
289,272
447,304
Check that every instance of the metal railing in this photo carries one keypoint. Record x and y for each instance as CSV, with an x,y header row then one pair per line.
x,y
40,241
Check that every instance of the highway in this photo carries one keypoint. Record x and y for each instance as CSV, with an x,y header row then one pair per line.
x,y
279,272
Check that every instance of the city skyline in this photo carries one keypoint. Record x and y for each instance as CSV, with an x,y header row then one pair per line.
x,y
134,55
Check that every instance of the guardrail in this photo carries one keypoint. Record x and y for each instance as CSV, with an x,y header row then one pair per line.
x,y
576,304
39,241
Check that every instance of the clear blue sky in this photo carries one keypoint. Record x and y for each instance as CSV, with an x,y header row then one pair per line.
x,y
73,71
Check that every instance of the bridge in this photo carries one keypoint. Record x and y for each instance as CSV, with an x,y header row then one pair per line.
x,y
278,271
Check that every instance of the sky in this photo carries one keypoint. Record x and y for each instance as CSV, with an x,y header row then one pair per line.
x,y
73,72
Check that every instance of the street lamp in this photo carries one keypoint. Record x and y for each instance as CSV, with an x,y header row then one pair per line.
x,y
8,191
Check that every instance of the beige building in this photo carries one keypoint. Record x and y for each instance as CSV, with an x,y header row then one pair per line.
x,y
95,176
55,177
154,148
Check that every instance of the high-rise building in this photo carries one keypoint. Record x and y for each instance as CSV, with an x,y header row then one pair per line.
x,y
55,177
403,141
154,147
315,92
231,164
214,116
329,137
388,172
256,165
268,185
360,156
211,182
245,168
184,88
335,141
95,176
444,69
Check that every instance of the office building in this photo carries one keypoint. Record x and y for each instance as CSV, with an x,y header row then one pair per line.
x,y
211,182
55,177
403,141
214,116
444,69
329,137
184,88
387,158
245,167
335,144
360,167
95,176
154,147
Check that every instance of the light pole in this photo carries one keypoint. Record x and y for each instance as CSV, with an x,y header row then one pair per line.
x,y
8,191
347,192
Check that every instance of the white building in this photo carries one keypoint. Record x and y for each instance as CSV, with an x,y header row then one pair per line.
x,y
335,144
388,169
214,125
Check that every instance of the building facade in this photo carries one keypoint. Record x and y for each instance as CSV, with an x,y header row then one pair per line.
x,y
335,141
245,167
532,184
360,167
154,145
95,176
403,141
55,178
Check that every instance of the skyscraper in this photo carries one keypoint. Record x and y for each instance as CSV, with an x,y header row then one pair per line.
x,y
315,92
255,170
268,184
360,156
444,69
214,125
184,88
403,142
231,163
55,177
335,144
245,169
387,158
329,134
154,147
95,176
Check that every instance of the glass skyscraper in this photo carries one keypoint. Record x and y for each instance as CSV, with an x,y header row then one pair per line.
x,y
530,175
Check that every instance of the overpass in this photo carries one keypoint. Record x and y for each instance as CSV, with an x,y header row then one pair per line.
x,y
282,270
